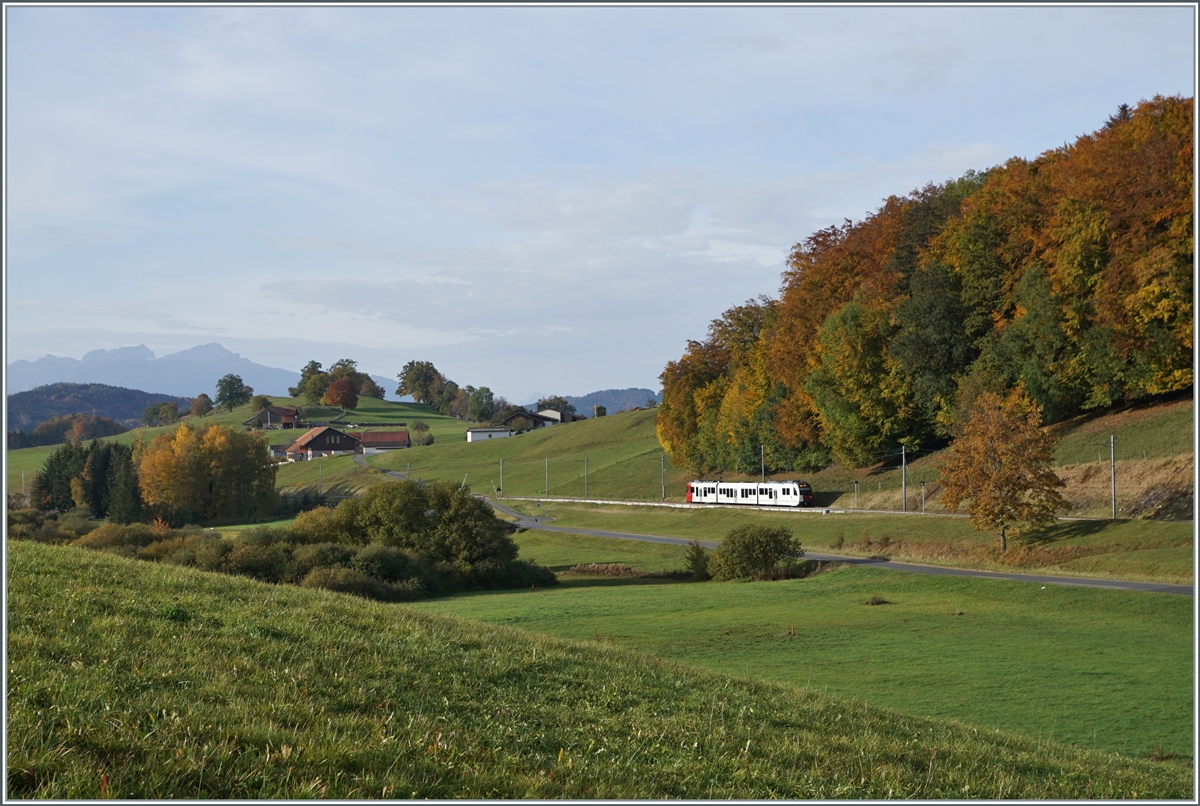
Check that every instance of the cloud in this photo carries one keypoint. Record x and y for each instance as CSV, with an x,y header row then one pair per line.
x,y
759,44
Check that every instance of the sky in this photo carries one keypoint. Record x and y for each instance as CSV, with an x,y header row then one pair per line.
x,y
539,200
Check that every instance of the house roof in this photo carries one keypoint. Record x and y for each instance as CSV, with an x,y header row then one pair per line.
x,y
489,428
311,434
528,415
375,439
281,412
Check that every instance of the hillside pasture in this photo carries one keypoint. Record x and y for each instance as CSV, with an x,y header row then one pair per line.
x,y
1109,670
1124,549
133,680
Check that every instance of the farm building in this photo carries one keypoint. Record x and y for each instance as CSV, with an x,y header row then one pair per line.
x,y
379,441
275,417
525,421
490,432
321,441
560,416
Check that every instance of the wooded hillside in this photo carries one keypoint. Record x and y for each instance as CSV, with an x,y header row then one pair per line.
x,y
28,409
1069,274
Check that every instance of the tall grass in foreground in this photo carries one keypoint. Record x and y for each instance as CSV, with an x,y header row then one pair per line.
x,y
132,680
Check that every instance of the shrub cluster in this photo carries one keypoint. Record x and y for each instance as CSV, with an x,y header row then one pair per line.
x,y
607,569
399,542
750,552
52,528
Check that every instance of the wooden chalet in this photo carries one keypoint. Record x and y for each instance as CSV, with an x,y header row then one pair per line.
x,y
321,441
275,417
527,420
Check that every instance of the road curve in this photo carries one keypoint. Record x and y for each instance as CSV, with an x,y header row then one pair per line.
x,y
527,522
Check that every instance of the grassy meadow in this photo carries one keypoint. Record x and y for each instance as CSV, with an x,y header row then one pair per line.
x,y
135,680
1110,670
1125,549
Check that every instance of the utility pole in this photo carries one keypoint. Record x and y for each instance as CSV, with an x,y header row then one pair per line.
x,y
856,493
904,478
501,478
922,498
320,479
663,476
547,475
763,461
1112,461
585,491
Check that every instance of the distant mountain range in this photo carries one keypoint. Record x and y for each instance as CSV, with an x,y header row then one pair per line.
x,y
186,373
613,400
26,410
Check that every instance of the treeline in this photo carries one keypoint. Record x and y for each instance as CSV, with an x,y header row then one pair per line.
x,y
185,476
1069,275
399,542
69,428
426,384
341,385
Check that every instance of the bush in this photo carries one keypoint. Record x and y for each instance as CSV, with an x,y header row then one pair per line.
x,y
77,522
114,535
188,552
319,555
349,580
211,554
325,525
162,549
607,569
270,563
752,550
697,561
387,563
523,574
37,526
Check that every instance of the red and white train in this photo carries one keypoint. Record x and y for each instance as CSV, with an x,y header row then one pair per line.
x,y
757,494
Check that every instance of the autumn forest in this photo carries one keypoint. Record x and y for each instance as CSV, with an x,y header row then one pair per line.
x,y
1068,276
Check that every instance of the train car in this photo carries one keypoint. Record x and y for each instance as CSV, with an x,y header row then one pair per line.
x,y
757,494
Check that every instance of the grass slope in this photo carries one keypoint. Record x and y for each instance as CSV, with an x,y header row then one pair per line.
x,y
134,680
624,460
1110,670
1124,549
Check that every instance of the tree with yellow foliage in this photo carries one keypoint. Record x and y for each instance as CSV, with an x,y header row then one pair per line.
x,y
215,473
1001,466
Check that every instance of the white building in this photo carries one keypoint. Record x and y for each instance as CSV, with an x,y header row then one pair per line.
x,y
493,432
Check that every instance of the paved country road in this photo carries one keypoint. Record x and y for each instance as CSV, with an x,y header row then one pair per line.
x,y
527,522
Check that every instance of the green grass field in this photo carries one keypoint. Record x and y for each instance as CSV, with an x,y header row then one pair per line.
x,y
134,680
1110,670
624,460
1125,549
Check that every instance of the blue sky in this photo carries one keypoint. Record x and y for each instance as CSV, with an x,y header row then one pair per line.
x,y
539,200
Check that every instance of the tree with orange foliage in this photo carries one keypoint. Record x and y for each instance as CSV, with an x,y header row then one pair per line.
x,y
342,393
1001,466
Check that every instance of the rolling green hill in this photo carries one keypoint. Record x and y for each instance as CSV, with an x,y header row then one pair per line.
x,y
128,679
1109,670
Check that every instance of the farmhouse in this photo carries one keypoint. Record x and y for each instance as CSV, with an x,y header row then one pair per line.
x,y
524,421
488,432
560,416
275,417
321,441
379,441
